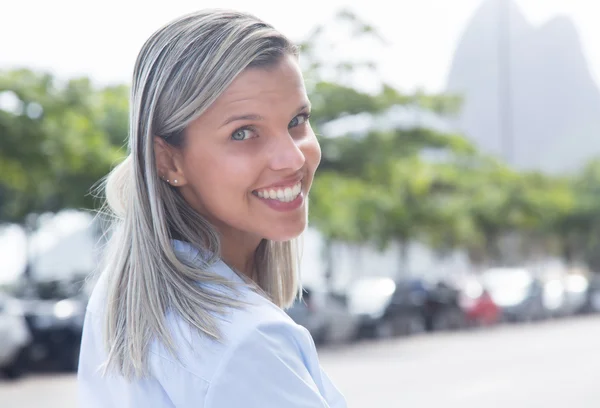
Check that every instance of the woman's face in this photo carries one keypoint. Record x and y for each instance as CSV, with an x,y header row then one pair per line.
x,y
248,162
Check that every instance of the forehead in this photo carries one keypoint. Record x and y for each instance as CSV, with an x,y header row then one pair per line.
x,y
277,85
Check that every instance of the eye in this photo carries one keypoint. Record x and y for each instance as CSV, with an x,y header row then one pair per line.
x,y
243,134
299,120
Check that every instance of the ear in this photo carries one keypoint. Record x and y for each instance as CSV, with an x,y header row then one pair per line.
x,y
168,163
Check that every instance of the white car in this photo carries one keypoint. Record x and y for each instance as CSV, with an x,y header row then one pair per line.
x,y
14,335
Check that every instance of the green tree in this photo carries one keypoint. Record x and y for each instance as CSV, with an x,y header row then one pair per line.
x,y
57,141
578,229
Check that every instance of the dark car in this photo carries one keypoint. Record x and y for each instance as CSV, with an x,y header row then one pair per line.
x,y
387,308
592,295
442,308
54,312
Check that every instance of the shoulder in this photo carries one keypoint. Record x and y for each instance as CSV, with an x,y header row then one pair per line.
x,y
273,363
259,323
199,353
260,328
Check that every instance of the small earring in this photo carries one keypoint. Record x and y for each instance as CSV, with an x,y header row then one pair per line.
x,y
175,181
167,180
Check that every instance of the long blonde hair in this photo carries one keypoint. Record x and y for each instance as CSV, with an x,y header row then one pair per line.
x,y
180,71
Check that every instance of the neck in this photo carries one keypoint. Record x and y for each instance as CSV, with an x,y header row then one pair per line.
x,y
239,253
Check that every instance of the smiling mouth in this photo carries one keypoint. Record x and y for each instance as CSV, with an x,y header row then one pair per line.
x,y
285,195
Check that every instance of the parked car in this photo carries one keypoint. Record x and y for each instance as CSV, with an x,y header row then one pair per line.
x,y
325,315
592,303
566,295
387,308
443,310
14,336
54,312
517,292
477,303
577,288
555,297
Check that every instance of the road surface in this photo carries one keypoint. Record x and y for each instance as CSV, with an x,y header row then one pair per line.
x,y
549,365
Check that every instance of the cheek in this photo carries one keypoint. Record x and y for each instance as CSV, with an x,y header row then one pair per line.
x,y
219,174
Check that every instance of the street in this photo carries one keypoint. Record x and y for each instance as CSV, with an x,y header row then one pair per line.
x,y
549,365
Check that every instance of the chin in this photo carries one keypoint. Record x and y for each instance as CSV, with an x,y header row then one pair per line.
x,y
282,233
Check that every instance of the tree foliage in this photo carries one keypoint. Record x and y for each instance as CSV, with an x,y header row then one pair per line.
x,y
57,140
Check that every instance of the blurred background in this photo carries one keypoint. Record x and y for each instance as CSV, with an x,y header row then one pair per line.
x,y
453,257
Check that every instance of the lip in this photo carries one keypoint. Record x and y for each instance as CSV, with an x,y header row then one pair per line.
x,y
290,182
283,206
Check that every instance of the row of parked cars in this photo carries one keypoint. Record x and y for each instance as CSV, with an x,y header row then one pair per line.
x,y
41,326
41,323
382,307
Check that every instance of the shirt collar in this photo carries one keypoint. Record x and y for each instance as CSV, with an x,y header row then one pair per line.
x,y
187,252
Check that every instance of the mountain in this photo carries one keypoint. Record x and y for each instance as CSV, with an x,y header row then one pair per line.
x,y
554,102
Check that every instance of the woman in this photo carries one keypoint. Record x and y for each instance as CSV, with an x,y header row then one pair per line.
x,y
209,205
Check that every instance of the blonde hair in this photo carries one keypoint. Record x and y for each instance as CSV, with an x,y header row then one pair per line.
x,y
180,71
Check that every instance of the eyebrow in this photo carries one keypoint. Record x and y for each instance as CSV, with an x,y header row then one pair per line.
x,y
250,116
238,118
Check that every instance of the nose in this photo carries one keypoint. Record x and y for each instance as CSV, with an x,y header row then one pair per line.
x,y
287,154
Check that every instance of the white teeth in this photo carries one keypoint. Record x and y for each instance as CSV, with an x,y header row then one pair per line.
x,y
282,194
288,194
296,190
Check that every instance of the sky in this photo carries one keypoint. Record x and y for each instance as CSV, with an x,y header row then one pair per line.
x,y
102,39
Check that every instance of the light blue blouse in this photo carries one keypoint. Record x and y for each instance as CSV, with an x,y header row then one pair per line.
x,y
264,361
